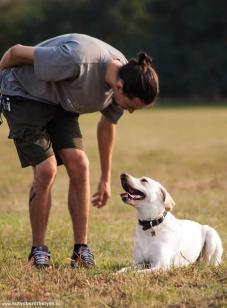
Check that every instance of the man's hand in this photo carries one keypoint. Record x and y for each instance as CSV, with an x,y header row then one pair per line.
x,y
100,198
5,59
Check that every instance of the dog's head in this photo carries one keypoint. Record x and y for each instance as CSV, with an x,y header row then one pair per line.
x,y
145,192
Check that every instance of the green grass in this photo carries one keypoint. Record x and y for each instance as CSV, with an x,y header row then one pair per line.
x,y
186,150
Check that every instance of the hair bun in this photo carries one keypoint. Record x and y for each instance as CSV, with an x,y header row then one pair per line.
x,y
144,59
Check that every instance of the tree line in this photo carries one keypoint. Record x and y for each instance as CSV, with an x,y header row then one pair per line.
x,y
187,39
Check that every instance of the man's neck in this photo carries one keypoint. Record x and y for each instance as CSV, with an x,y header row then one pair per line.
x,y
112,69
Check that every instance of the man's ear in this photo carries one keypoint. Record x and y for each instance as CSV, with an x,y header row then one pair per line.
x,y
119,85
168,201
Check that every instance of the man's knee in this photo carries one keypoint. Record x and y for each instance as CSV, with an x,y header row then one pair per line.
x,y
77,164
45,172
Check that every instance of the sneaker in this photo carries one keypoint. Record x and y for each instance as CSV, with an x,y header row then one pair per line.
x,y
83,257
39,257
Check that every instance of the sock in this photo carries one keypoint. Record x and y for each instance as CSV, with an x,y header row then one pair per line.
x,y
77,246
33,247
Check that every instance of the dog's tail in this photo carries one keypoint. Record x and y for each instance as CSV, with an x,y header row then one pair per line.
x,y
212,250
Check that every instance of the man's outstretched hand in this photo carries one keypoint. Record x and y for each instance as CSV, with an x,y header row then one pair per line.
x,y
100,198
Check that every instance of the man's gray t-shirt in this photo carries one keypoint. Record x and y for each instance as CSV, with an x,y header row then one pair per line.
x,y
68,70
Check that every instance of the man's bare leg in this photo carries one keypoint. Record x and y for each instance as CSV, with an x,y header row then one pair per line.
x,y
77,166
40,199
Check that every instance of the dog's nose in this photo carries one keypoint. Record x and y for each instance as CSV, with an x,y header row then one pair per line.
x,y
123,176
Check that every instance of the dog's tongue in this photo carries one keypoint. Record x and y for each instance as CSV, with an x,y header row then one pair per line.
x,y
124,197
124,194
127,195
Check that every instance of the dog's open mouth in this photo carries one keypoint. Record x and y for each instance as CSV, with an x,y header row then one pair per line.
x,y
130,193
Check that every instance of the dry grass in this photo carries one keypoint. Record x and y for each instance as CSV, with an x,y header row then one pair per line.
x,y
186,150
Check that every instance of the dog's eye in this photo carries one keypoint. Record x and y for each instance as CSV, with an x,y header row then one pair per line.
x,y
144,180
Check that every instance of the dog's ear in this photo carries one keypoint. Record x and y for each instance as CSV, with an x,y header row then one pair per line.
x,y
167,199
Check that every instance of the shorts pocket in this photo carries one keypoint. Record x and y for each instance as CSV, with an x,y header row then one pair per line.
x,y
17,135
26,135
32,146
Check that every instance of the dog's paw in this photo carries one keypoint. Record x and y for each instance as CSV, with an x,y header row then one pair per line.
x,y
123,270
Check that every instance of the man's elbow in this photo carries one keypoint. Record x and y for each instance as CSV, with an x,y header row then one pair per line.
x,y
21,54
14,51
11,57
104,122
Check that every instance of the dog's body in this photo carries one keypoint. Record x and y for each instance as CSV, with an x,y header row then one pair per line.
x,y
170,241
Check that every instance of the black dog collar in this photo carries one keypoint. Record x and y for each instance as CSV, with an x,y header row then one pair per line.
x,y
149,224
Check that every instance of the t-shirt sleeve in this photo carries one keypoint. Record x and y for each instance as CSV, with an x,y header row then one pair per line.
x,y
56,63
113,112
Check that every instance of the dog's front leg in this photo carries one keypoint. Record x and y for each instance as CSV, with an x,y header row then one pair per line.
x,y
134,268
140,269
124,270
150,270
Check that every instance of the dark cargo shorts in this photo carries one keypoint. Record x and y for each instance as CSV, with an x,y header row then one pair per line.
x,y
40,130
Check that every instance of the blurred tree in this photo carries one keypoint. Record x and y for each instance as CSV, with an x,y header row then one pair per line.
x,y
189,44
19,22
187,38
119,22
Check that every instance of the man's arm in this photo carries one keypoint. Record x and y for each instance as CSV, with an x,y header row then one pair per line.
x,y
17,55
106,137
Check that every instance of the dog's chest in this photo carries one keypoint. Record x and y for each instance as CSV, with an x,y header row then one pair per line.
x,y
146,244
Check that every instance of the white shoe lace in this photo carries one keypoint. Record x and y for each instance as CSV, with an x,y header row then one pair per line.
x,y
86,256
41,257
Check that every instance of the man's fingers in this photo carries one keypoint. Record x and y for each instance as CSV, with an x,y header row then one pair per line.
x,y
94,197
97,199
104,199
100,198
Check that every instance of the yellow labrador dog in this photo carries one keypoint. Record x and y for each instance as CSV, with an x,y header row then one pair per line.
x,y
161,240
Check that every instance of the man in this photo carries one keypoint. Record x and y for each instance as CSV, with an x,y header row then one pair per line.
x,y
44,90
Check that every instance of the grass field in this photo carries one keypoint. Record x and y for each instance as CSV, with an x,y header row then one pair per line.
x,y
186,150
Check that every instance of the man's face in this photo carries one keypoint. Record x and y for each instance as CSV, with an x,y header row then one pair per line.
x,y
130,104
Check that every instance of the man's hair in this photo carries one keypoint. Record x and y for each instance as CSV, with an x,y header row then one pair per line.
x,y
140,79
